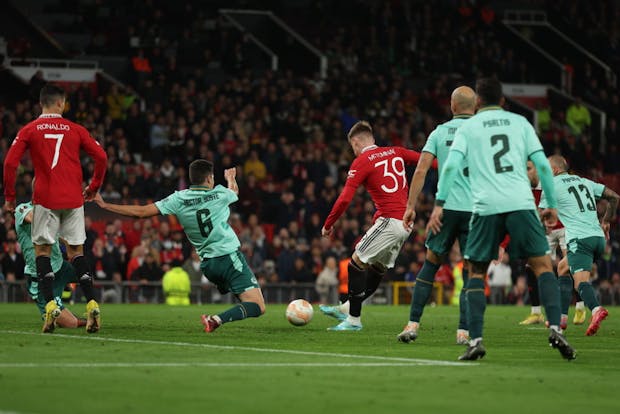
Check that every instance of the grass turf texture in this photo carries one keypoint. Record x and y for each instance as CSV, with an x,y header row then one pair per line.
x,y
154,358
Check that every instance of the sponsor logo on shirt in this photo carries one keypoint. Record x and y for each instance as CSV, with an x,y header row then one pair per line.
x,y
351,173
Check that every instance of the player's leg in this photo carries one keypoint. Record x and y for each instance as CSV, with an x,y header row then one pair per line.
x,y
535,315
485,234
73,231
232,273
45,226
566,290
581,255
462,332
527,240
64,276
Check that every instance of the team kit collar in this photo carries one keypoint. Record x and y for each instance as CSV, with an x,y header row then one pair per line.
x,y
490,108
199,187
368,148
462,116
50,116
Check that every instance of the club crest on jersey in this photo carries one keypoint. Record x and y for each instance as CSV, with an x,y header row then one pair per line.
x,y
351,173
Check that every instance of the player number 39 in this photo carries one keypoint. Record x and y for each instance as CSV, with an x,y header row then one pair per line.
x,y
397,169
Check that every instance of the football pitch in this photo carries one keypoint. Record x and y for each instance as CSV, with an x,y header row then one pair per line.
x,y
156,359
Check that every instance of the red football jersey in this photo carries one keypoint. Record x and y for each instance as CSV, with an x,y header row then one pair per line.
x,y
537,194
54,145
382,171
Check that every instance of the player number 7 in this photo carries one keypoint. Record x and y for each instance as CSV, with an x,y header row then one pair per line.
x,y
59,138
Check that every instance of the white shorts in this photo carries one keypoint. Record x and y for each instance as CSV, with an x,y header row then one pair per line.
x,y
48,225
382,242
556,238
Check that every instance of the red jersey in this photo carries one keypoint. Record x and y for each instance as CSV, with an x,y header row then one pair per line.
x,y
382,171
54,145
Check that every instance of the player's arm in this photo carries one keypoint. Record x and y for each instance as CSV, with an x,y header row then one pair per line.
x,y
610,213
11,162
229,175
546,180
354,179
138,211
446,179
417,182
92,148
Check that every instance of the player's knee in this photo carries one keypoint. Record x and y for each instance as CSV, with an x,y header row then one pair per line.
x,y
378,268
433,257
479,268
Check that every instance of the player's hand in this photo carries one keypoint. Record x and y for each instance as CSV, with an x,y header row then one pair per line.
x,y
99,200
230,173
550,217
326,232
89,195
9,207
605,226
408,218
434,222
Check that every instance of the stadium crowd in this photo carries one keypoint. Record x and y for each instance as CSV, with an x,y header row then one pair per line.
x,y
286,134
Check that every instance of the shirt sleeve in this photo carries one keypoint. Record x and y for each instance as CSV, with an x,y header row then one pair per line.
x,y
11,162
543,201
532,143
597,188
167,206
92,148
356,176
229,194
431,144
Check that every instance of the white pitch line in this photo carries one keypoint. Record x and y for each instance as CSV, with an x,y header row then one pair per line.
x,y
254,349
205,364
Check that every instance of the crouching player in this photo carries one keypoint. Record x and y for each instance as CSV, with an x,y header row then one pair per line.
x,y
62,269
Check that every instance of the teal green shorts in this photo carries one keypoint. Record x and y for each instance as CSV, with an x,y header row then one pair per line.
x,y
455,225
62,278
581,253
230,273
527,236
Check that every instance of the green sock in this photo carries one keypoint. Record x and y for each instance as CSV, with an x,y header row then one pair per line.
x,y
549,290
476,305
587,294
422,290
566,293
240,311
463,301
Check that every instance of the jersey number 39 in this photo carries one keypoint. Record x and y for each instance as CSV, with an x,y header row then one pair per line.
x,y
393,170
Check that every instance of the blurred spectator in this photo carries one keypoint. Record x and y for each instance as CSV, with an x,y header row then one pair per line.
x,y
578,117
176,286
327,281
148,272
499,280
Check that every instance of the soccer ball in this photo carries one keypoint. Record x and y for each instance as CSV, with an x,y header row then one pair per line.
x,y
299,312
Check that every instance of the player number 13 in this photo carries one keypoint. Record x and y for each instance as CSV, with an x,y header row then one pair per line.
x,y
58,138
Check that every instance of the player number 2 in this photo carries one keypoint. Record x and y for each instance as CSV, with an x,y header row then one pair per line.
x,y
503,139
58,138
203,217
397,171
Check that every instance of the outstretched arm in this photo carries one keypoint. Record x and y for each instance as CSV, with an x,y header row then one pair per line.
x,y
138,211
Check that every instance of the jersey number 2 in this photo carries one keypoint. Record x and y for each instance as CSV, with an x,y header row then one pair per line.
x,y
204,221
393,173
58,138
503,139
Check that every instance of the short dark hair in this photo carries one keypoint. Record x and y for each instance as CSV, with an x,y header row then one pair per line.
x,y
199,170
489,90
50,93
360,127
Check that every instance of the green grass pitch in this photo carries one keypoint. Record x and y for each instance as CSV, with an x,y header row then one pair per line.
x,y
157,359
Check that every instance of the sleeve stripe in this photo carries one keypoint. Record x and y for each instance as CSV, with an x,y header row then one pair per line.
x,y
458,150
532,153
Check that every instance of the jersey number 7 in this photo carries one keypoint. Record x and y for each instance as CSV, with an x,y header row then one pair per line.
x,y
58,138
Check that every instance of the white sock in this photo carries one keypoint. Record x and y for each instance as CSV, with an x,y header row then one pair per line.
x,y
555,328
475,341
596,309
536,310
354,320
579,305
344,308
217,319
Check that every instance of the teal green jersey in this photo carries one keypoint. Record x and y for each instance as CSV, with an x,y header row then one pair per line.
x,y
204,213
24,236
497,145
438,144
577,205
